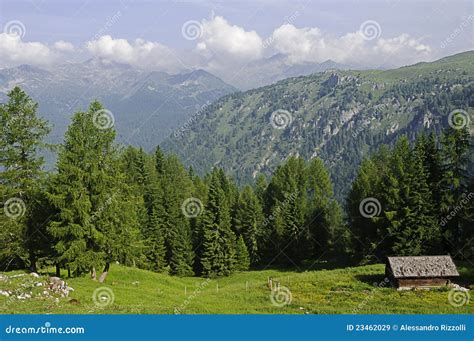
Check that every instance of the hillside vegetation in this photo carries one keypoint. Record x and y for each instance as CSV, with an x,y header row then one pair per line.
x,y
340,116
356,290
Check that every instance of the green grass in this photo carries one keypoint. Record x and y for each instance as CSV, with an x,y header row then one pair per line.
x,y
347,291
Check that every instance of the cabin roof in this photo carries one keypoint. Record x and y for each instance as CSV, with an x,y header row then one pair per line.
x,y
422,266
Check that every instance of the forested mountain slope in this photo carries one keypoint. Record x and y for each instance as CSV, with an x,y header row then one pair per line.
x,y
340,116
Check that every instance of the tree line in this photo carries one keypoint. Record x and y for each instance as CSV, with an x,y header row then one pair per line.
x,y
419,198
105,203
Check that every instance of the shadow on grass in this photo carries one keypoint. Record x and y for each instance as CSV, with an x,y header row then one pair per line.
x,y
307,265
466,274
375,280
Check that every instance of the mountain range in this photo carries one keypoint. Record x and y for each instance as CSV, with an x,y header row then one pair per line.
x,y
146,106
310,110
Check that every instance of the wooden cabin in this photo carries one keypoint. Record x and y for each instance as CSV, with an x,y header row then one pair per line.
x,y
420,271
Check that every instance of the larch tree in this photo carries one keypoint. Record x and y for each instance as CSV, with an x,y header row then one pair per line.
x,y
96,222
22,135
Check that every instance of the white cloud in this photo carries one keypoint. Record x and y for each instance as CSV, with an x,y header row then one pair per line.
x,y
221,46
312,45
229,43
13,52
403,49
139,53
63,46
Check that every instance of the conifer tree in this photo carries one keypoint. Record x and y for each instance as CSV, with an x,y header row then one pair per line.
x,y
155,243
395,188
175,187
327,235
420,233
96,221
159,160
260,191
434,168
242,255
76,238
364,228
21,137
248,222
287,191
139,169
218,255
454,185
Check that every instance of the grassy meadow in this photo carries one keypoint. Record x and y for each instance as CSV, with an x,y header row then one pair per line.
x,y
354,290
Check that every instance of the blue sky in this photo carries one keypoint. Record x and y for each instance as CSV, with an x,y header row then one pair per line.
x,y
403,27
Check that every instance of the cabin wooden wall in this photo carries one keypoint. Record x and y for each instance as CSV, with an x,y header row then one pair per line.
x,y
422,282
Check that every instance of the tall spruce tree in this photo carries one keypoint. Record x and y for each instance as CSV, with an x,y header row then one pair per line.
x,y
175,187
287,191
218,255
455,183
242,262
327,234
142,177
155,242
364,228
420,233
395,188
248,222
